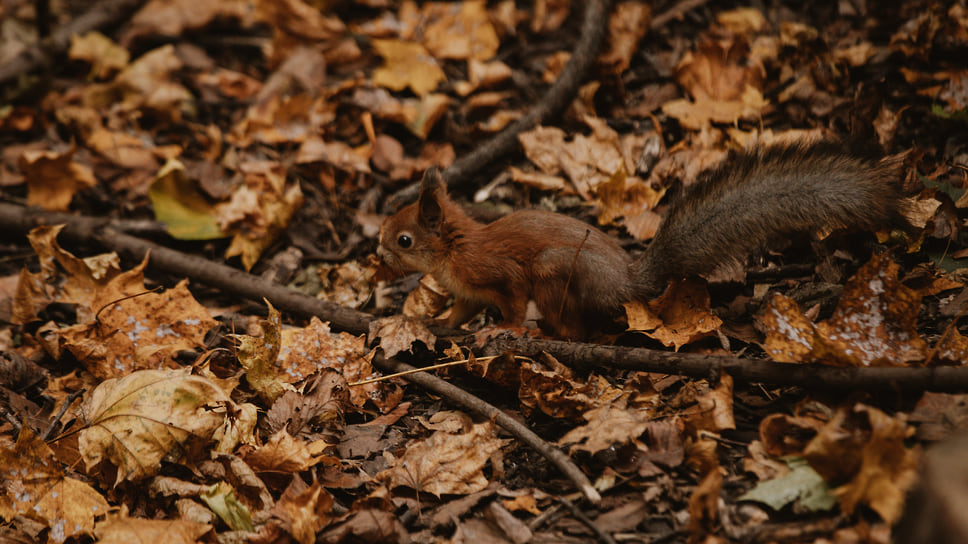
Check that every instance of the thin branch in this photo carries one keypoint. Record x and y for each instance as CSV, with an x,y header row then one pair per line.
x,y
811,376
511,425
551,104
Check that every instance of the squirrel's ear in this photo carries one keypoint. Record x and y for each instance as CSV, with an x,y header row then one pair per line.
x,y
429,212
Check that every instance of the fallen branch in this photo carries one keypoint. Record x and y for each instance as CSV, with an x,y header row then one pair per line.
x,y
102,14
811,376
518,430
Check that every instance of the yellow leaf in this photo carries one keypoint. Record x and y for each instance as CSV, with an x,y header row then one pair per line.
x,y
148,416
181,206
406,64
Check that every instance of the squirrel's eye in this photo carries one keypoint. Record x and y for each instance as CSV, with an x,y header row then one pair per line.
x,y
405,241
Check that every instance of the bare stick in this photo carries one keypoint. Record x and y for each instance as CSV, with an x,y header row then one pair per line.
x,y
511,425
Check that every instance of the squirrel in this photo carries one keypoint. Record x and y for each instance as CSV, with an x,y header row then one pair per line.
x,y
579,277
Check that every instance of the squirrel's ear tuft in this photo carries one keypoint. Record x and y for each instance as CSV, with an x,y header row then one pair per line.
x,y
429,212
432,180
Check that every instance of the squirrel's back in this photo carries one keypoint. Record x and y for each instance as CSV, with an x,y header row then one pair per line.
x,y
761,194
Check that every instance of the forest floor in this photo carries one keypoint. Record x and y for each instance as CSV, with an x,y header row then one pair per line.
x,y
192,356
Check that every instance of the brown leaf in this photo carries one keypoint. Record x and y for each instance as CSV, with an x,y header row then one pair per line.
x,y
173,17
446,463
136,332
608,425
627,24
53,178
874,323
863,452
398,333
406,64
427,300
320,406
35,485
281,453
680,316
304,509
148,416
104,55
704,505
118,528
561,396
62,278
461,31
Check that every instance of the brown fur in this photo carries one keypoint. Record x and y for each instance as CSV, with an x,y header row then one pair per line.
x,y
579,276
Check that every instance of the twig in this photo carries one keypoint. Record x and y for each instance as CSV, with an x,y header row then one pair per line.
x,y
421,369
60,413
511,425
675,12
100,15
602,535
551,104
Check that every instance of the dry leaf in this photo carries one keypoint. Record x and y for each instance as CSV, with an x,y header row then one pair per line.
x,y
446,463
398,333
137,421
118,528
463,31
53,178
136,332
34,485
608,425
874,323
105,56
863,452
680,316
406,64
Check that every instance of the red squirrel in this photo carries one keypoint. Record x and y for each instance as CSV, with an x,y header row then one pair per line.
x,y
578,276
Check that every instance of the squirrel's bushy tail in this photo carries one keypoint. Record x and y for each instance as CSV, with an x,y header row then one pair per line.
x,y
759,195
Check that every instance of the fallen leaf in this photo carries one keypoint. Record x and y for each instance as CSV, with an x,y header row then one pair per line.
x,y
105,56
446,463
221,500
35,486
398,333
874,323
627,25
281,453
304,509
53,178
862,452
680,316
137,421
563,396
606,426
181,206
118,528
406,64
133,329
802,487
259,356
462,31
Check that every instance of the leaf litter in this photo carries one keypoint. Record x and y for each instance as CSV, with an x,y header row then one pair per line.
x,y
291,118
